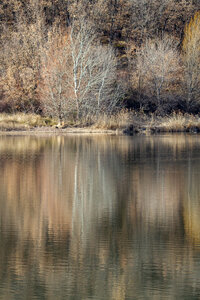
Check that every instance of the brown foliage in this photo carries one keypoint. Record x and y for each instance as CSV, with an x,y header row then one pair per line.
x,y
191,59
54,88
24,26
20,63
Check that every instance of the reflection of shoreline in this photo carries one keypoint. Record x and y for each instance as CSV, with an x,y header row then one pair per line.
x,y
191,205
49,131
50,182
104,206
21,145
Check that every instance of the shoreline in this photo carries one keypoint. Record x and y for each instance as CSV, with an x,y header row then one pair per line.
x,y
123,123
129,131
59,131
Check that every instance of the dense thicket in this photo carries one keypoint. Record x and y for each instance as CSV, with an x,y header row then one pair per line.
x,y
150,49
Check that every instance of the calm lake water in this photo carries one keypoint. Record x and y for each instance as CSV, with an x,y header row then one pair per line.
x,y
100,217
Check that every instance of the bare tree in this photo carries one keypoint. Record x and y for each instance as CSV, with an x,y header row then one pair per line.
x,y
78,74
157,68
53,86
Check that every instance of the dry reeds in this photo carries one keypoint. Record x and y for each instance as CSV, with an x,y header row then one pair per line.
x,y
21,121
179,122
124,121
117,121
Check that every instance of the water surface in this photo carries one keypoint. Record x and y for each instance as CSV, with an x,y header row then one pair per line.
x,y
100,217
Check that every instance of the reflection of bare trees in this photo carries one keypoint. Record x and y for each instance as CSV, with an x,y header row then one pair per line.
x,y
99,216
78,74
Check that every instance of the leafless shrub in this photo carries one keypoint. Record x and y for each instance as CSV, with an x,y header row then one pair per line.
x,y
157,69
78,75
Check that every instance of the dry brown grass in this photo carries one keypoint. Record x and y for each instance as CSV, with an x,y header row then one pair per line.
x,y
120,120
21,121
140,122
116,121
178,122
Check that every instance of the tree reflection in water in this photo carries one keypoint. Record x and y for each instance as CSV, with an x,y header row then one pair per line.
x,y
100,217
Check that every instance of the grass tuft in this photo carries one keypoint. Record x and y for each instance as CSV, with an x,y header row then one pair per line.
x,y
21,121
179,122
117,121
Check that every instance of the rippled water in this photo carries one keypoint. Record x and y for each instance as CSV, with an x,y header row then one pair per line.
x,y
100,217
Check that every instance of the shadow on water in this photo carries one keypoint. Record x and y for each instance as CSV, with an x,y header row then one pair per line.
x,y
100,217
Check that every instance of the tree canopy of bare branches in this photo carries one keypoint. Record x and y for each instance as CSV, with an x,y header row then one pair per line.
x,y
157,68
68,56
78,74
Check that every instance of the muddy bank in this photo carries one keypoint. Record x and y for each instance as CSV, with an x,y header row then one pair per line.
x,y
57,131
